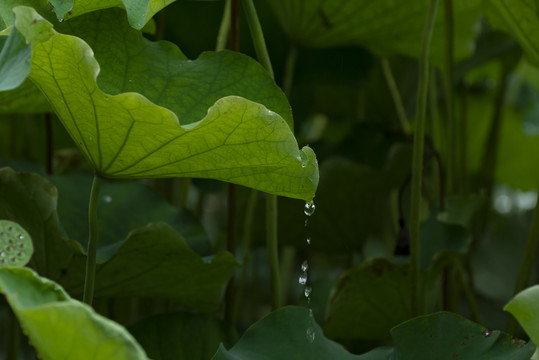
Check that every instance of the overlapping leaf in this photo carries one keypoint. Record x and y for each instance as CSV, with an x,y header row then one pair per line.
x,y
30,200
525,308
385,26
60,327
128,136
155,261
450,336
520,19
138,12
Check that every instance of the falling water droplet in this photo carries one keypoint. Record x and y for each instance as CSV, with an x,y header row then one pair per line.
x,y
309,208
308,291
310,334
304,266
308,241
303,278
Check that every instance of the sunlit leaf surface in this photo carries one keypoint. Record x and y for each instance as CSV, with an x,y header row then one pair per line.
x,y
60,327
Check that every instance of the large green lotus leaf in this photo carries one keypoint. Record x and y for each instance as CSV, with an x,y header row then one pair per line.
x,y
139,12
30,200
26,99
120,212
520,19
447,336
369,300
155,261
127,136
182,336
525,308
385,26
283,335
60,327
372,298
159,71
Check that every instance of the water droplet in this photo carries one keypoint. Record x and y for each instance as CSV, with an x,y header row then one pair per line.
x,y
306,222
303,279
20,237
303,165
487,333
308,291
107,198
309,208
304,266
2,254
310,334
308,241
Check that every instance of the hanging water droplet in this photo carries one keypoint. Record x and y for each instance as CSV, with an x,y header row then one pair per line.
x,y
107,198
310,334
308,241
309,208
303,279
304,266
308,291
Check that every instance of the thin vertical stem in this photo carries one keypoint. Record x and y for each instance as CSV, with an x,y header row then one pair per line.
x,y
224,28
92,242
395,95
463,136
527,263
434,123
273,250
290,68
417,161
448,81
468,291
230,295
48,142
257,35
271,200
490,155
246,247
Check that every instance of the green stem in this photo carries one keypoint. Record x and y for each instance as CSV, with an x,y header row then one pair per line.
x,y
257,35
395,94
463,143
434,123
490,155
417,161
527,263
273,250
224,29
290,67
468,291
246,247
271,200
92,242
230,303
448,81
